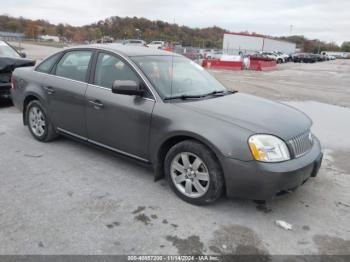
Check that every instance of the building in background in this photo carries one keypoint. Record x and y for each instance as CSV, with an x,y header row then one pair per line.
x,y
50,38
241,44
11,36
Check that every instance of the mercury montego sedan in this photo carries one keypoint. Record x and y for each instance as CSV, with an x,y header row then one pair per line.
x,y
165,110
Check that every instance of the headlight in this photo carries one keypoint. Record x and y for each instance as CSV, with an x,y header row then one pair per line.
x,y
268,148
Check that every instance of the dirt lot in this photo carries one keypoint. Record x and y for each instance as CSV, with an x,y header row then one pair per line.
x,y
327,82
70,198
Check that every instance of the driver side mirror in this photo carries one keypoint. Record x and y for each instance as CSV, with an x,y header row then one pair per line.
x,y
23,55
127,87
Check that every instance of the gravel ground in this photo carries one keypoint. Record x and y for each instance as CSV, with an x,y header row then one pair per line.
x,y
66,197
327,82
37,52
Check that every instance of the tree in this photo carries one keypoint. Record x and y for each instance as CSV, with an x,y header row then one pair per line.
x,y
345,46
60,29
119,28
15,26
31,30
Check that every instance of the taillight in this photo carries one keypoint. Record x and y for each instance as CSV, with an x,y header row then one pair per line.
x,y
13,82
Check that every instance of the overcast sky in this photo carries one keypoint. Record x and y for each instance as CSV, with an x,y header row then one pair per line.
x,y
323,19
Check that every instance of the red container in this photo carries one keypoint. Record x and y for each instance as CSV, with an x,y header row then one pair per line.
x,y
262,65
227,65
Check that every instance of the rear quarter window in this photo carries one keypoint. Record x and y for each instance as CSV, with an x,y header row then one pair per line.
x,y
74,65
46,65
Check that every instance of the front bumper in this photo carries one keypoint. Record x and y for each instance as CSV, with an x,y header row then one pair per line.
x,y
264,181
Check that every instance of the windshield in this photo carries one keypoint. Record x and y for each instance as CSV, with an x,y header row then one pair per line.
x,y
175,76
7,51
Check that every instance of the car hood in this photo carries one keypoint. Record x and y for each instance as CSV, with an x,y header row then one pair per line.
x,y
253,113
8,64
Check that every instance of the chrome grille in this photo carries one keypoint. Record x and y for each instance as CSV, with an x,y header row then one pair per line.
x,y
301,144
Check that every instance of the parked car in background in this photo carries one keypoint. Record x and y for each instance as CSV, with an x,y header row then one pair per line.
x,y
191,53
259,56
157,44
278,58
205,52
167,111
135,42
10,59
304,58
319,57
216,54
283,55
331,57
106,40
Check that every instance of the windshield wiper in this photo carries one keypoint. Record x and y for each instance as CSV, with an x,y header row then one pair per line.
x,y
216,92
183,97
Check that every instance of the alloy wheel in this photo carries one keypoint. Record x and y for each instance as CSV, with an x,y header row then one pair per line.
x,y
37,121
190,175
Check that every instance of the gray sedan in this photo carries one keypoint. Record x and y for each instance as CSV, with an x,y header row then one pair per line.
x,y
165,110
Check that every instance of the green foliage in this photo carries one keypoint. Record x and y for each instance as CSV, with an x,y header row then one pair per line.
x,y
346,46
119,28
312,46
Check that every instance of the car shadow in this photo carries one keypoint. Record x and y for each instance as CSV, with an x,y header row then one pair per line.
x,y
115,160
106,154
224,204
5,102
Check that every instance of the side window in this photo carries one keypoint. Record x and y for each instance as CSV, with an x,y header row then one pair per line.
x,y
110,68
74,65
47,64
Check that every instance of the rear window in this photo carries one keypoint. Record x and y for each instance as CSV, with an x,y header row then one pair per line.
x,y
7,51
46,65
74,65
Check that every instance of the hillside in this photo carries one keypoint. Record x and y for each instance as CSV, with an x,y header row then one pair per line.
x,y
127,27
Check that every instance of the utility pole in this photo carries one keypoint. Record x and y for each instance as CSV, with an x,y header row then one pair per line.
x,y
319,47
139,33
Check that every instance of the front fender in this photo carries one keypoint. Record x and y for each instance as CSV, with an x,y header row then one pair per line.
x,y
223,138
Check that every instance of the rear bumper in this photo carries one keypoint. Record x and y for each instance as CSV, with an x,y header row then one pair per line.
x,y
264,181
5,88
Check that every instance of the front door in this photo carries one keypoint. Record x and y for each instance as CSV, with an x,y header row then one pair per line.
x,y
121,122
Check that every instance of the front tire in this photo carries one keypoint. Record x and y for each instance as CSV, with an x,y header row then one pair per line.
x,y
194,173
39,123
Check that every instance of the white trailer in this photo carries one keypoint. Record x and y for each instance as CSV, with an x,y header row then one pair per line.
x,y
235,44
336,54
52,38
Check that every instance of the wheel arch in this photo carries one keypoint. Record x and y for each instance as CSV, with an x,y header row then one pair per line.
x,y
29,98
169,142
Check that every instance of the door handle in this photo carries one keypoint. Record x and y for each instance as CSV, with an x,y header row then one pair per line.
x,y
96,103
49,89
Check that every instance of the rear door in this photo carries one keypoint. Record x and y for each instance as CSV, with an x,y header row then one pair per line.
x,y
66,88
121,122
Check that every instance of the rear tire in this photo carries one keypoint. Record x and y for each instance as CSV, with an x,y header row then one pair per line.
x,y
39,123
194,173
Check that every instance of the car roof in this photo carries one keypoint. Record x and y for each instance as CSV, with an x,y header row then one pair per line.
x,y
129,50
